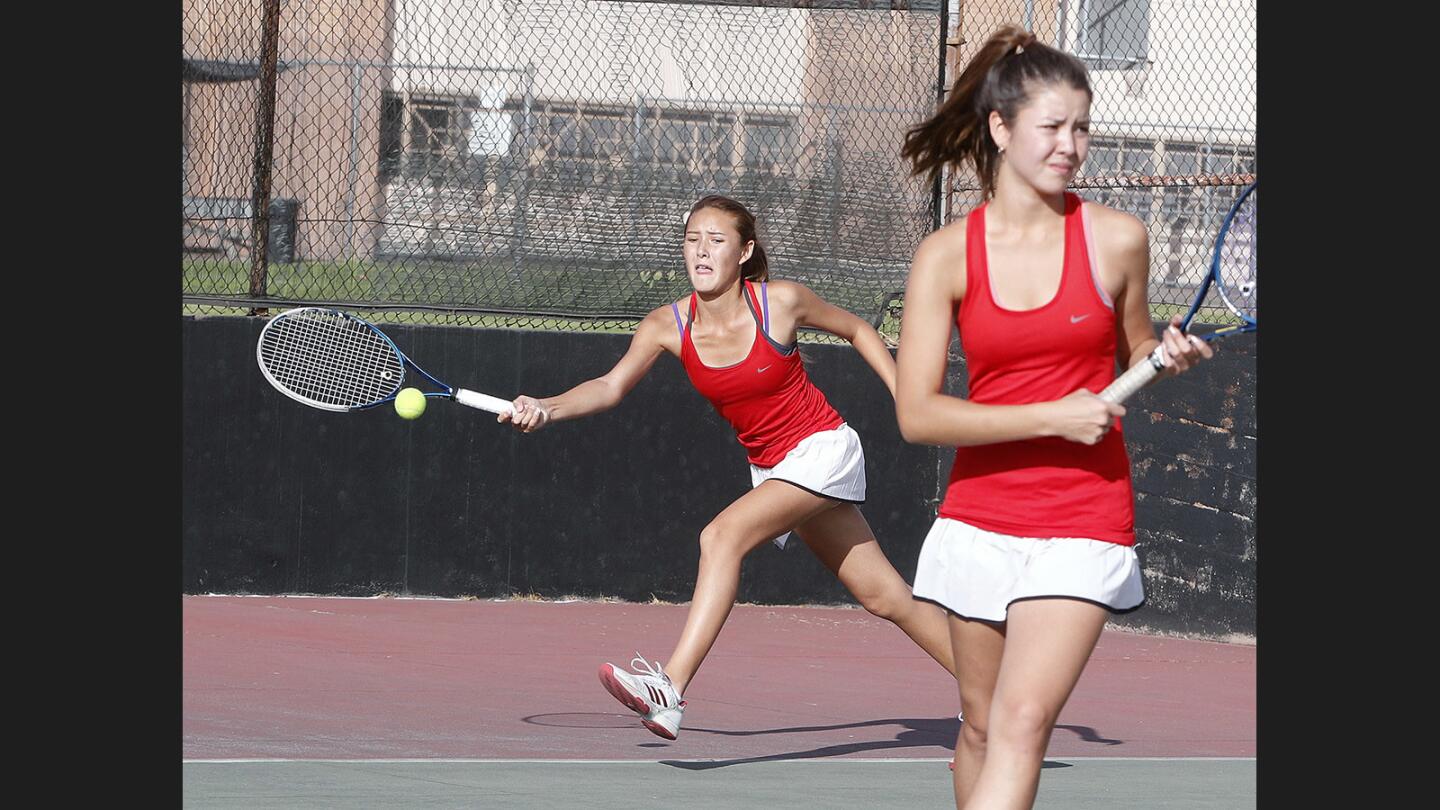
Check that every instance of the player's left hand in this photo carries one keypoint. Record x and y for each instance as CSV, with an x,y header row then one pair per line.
x,y
1182,351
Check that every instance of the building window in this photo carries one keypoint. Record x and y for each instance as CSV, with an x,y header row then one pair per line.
x,y
1114,34
437,138
444,140
459,141
392,142
769,144
692,140
1138,157
589,133
1179,202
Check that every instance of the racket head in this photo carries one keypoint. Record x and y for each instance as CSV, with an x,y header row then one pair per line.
x,y
329,359
1235,264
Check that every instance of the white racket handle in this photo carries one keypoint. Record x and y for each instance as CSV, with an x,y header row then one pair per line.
x,y
484,402
1134,378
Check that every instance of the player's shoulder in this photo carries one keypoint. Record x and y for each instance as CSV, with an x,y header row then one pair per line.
x,y
943,247
659,330
785,291
666,310
1120,228
662,316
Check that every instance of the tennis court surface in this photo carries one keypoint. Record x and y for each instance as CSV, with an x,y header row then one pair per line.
x,y
387,702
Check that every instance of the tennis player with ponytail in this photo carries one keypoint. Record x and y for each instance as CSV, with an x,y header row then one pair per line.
x,y
1033,547
735,335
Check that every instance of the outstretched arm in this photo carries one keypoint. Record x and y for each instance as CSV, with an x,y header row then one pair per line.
x,y
601,393
813,311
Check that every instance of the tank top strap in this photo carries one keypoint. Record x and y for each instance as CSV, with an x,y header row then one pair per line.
x,y
977,276
754,303
1074,225
765,304
679,327
1080,253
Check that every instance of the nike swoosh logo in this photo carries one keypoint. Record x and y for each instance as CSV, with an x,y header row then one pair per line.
x,y
758,370
1078,318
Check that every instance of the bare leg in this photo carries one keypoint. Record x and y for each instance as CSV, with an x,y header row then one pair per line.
x,y
759,515
1047,644
979,646
842,540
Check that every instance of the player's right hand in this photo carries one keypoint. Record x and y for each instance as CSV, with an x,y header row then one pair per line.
x,y
1083,417
1182,351
528,414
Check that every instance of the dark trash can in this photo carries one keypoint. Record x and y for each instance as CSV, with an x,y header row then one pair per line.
x,y
283,214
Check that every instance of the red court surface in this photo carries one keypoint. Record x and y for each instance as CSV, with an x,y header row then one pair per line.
x,y
335,678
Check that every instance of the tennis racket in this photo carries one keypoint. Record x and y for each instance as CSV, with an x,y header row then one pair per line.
x,y
334,361
1232,274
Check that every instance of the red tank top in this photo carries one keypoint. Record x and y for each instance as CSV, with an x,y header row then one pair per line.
x,y
1043,487
767,397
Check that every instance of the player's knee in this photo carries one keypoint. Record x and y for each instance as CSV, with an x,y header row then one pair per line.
x,y
882,605
973,734
718,542
1028,723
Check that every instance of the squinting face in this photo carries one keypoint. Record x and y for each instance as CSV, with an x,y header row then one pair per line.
x,y
1049,138
714,250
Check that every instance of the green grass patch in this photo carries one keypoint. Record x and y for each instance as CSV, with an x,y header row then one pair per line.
x,y
617,296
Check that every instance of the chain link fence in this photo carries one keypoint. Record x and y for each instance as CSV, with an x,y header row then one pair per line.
x,y
1172,135
528,164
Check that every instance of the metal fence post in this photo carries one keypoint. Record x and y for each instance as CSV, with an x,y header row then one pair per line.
x,y
352,179
264,154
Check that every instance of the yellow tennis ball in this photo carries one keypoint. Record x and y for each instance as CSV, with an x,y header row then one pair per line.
x,y
410,403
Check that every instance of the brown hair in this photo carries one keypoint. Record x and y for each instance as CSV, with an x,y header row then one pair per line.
x,y
757,267
997,79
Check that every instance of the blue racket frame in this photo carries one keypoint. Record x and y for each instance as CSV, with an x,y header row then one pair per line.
x,y
1139,374
1212,277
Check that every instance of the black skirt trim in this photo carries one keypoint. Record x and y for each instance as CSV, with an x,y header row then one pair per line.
x,y
1114,610
813,492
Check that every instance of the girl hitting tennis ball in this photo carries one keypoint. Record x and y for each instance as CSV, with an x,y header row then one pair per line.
x,y
1034,543
735,336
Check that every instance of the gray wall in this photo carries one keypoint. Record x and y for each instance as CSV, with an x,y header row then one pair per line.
x,y
280,498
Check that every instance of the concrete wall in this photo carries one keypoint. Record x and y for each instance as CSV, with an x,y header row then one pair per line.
x,y
280,498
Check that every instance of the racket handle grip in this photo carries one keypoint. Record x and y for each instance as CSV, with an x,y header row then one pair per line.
x,y
484,402
1134,378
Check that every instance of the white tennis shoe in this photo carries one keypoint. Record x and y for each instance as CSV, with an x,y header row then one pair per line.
x,y
647,692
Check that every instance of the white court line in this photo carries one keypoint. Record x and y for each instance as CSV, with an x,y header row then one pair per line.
x,y
832,761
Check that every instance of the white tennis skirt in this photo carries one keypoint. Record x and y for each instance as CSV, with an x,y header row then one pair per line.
x,y
830,463
978,574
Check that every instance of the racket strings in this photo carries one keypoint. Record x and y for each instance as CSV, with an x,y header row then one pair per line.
x,y
359,374
1237,278
296,358
344,359
351,378
331,359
